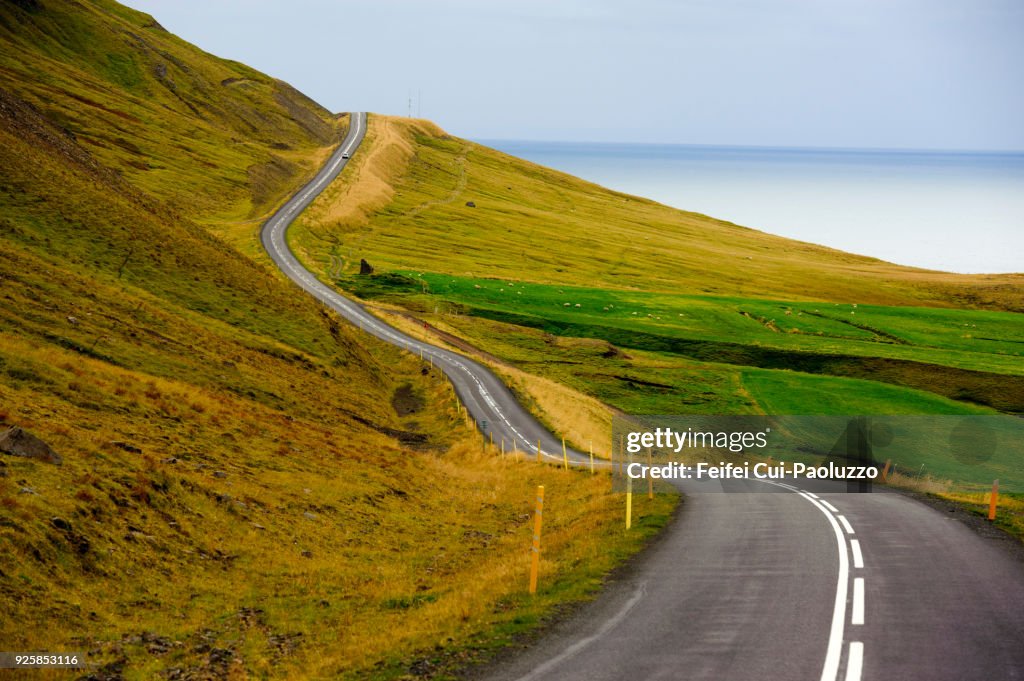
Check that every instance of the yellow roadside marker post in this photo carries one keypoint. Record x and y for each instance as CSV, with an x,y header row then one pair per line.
x,y
629,502
993,500
537,521
591,457
565,455
538,450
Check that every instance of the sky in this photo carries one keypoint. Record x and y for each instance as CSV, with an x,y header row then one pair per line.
x,y
911,74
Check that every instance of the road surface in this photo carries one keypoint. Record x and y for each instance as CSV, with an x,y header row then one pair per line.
x,y
788,585
798,585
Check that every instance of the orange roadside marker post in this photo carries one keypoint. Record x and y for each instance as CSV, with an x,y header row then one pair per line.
x,y
885,470
993,500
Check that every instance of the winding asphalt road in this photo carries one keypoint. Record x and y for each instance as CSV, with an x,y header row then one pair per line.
x,y
487,400
789,585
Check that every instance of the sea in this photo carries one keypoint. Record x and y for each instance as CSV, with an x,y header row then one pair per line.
x,y
944,210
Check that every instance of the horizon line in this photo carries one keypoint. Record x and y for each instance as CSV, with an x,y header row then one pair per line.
x,y
917,150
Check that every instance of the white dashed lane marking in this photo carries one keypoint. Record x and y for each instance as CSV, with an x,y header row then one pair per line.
x,y
857,617
858,558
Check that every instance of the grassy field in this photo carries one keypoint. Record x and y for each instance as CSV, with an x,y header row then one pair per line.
x,y
926,349
249,487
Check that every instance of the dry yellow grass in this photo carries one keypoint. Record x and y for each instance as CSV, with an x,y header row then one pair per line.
x,y
582,420
366,187
1009,507
255,525
368,182
925,484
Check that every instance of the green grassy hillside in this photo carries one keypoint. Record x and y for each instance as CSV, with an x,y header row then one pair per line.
x,y
405,208
249,486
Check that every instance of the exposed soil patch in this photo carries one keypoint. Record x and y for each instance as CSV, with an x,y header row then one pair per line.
x,y
406,400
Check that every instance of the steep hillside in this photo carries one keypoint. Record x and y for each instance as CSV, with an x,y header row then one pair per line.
x,y
238,466
406,208
211,137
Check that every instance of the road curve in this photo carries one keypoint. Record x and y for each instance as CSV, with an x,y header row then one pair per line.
x,y
496,411
796,584
799,585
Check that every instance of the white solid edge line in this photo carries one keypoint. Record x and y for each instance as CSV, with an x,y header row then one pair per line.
x,y
857,617
835,640
858,557
846,524
575,648
829,506
855,661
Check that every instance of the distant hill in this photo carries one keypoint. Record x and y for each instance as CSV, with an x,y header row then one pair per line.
x,y
408,209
